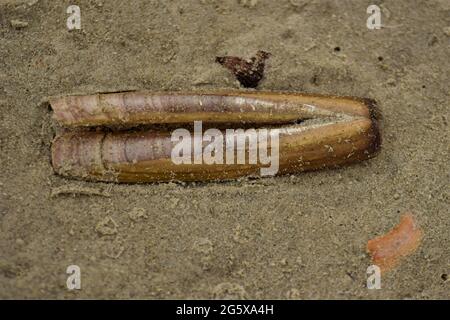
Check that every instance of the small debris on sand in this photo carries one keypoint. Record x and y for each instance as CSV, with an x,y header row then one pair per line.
x,y
248,72
18,24
137,214
447,31
229,291
293,294
78,190
387,250
106,227
248,3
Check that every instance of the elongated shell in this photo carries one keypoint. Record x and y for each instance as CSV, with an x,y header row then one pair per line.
x,y
140,108
335,131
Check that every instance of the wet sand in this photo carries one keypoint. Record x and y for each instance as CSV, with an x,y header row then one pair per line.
x,y
302,236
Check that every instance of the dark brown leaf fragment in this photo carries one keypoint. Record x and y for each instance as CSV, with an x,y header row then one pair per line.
x,y
247,72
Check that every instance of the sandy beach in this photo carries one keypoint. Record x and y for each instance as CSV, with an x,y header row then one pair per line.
x,y
300,236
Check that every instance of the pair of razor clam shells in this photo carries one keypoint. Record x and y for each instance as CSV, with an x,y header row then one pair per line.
x,y
130,145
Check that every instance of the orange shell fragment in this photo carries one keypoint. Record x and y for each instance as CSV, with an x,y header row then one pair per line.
x,y
387,250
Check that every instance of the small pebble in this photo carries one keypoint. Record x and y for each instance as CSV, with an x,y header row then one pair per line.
x,y
18,24
137,213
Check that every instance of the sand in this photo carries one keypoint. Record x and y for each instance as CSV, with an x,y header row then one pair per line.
x,y
302,236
